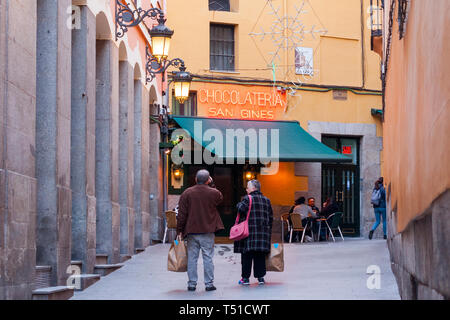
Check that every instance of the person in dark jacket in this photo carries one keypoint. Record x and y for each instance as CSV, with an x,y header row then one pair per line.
x,y
379,209
329,207
256,246
198,219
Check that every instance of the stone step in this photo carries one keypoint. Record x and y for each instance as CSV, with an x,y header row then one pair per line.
x,y
101,258
124,257
105,269
85,281
77,263
42,277
53,293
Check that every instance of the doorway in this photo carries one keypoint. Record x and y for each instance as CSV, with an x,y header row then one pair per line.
x,y
229,180
341,181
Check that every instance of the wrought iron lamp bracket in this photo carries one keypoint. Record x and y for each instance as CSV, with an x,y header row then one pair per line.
x,y
154,67
127,18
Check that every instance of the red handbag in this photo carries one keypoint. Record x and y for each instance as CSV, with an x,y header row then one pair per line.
x,y
240,230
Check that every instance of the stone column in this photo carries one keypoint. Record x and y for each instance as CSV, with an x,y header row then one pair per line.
x,y
17,148
83,141
137,164
53,138
126,142
106,151
155,177
145,165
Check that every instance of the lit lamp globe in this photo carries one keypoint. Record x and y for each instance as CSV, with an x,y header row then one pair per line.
x,y
182,83
160,37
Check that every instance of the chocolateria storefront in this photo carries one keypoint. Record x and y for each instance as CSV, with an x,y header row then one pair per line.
x,y
237,135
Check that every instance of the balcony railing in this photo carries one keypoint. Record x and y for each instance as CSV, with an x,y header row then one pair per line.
x,y
376,24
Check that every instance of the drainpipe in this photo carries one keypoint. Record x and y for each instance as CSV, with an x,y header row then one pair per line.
x,y
165,132
363,58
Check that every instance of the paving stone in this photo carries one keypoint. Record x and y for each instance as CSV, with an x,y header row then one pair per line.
x,y
312,271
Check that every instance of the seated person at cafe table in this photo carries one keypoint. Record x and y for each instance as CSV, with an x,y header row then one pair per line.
x,y
312,204
307,214
329,207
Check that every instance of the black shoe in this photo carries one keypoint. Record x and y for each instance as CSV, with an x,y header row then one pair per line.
x,y
385,237
370,234
210,288
261,281
244,281
191,288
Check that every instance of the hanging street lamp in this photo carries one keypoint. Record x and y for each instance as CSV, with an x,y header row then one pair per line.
x,y
182,83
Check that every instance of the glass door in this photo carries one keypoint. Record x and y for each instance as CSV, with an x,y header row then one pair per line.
x,y
341,181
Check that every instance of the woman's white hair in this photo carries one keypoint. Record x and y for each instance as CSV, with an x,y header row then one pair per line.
x,y
255,184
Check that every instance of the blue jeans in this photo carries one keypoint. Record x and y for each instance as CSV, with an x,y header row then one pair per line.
x,y
378,213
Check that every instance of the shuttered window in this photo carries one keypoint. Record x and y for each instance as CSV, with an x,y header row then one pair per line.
x,y
219,5
221,47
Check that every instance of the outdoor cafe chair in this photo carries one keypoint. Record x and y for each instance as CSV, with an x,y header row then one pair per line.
x,y
285,219
335,221
296,220
171,222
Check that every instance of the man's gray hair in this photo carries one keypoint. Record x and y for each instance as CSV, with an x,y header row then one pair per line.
x,y
256,184
202,176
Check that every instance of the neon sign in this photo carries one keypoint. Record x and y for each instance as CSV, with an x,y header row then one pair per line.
x,y
241,102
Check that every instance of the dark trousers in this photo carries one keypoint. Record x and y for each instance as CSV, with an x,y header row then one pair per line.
x,y
259,264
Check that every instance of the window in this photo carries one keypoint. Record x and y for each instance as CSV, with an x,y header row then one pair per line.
x,y
219,5
188,108
402,17
221,47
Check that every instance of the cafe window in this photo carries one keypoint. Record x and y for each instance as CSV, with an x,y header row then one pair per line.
x,y
221,47
188,108
219,5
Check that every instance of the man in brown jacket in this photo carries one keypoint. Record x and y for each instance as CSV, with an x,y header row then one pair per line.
x,y
197,220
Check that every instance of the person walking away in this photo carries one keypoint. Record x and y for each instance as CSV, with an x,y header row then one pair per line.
x,y
256,246
378,201
306,212
198,219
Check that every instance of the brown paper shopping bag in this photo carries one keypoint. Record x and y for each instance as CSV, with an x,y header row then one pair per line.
x,y
177,258
275,259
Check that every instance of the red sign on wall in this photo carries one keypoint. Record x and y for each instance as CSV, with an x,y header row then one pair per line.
x,y
347,149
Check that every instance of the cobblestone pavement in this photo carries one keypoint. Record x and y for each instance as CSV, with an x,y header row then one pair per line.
x,y
312,271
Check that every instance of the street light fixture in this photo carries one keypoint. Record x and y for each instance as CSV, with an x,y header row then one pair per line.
x,y
182,83
127,18
157,62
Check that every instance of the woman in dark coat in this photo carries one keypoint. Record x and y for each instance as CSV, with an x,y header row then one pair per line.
x,y
256,246
329,207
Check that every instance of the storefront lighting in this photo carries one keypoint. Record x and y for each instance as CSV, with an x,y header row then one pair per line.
x,y
177,173
249,175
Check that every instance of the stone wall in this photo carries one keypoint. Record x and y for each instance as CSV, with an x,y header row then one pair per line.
x,y
17,148
73,139
420,255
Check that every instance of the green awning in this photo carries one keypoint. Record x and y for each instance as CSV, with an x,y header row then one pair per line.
x,y
294,144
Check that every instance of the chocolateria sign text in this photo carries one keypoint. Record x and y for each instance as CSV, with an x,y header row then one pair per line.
x,y
241,102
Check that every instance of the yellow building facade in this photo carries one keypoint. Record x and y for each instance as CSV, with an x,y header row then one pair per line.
x,y
315,57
